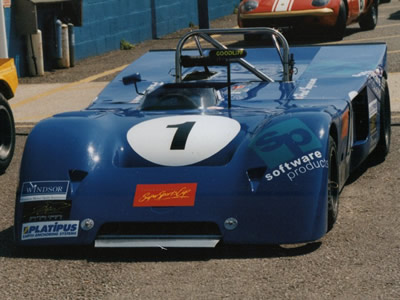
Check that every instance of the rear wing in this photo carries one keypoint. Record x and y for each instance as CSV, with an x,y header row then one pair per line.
x,y
279,40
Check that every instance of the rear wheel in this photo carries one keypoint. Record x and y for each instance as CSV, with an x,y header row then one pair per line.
x,y
7,134
333,185
385,131
369,20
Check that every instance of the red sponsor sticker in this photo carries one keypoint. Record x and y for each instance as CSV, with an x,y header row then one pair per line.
x,y
345,123
173,194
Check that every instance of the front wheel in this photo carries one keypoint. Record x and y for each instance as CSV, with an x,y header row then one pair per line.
x,y
369,20
7,134
333,185
337,32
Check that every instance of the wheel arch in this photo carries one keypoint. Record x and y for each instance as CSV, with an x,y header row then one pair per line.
x,y
6,90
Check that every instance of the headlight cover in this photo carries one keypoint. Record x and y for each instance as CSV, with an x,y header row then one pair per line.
x,y
249,6
319,3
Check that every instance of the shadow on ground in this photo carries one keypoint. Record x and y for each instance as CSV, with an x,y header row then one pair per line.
x,y
9,249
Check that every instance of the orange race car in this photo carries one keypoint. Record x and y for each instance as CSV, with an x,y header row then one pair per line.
x,y
333,14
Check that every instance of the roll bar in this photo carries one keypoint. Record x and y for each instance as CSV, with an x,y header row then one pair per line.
x,y
206,34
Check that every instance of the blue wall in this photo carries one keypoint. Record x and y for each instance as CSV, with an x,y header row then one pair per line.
x,y
16,44
107,22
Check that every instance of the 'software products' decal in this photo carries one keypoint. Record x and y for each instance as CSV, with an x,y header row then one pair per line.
x,y
45,230
162,195
44,190
300,166
182,140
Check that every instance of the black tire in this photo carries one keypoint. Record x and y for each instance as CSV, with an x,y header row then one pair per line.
x,y
7,134
333,185
385,132
370,19
337,32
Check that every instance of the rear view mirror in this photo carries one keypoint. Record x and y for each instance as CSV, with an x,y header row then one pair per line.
x,y
134,78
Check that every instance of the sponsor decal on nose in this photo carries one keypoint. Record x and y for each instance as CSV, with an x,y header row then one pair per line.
x,y
163,195
44,190
42,230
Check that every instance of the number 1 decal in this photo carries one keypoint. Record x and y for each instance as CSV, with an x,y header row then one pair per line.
x,y
181,140
181,135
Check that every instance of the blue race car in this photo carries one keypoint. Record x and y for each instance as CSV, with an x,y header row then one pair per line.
x,y
196,147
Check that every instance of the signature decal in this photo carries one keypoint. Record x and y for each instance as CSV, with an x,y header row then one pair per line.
x,y
161,195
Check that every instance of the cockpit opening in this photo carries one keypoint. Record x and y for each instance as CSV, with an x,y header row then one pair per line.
x,y
169,97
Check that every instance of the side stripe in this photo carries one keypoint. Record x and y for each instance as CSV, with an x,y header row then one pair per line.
x,y
291,4
275,4
283,5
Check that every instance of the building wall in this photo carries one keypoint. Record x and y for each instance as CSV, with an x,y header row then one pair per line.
x,y
107,22
16,45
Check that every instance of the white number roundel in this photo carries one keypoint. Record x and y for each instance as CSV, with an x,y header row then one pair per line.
x,y
182,140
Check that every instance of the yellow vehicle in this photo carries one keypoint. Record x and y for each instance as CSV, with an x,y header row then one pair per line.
x,y
8,86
